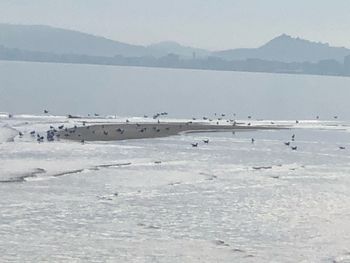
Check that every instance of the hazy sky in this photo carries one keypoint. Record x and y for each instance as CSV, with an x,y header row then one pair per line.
x,y
212,24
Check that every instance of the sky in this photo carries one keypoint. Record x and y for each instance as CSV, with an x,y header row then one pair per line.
x,y
210,24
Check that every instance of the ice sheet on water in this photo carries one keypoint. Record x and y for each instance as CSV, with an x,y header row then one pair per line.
x,y
227,200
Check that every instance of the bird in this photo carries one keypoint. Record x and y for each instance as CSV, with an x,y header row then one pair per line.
x,y
294,148
60,127
46,111
287,143
20,134
194,144
253,140
342,147
206,141
296,121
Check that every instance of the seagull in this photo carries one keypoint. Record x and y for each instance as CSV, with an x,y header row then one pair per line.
x,y
342,147
253,140
287,143
194,144
294,148
46,111
206,141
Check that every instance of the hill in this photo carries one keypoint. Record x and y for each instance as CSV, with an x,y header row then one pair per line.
x,y
285,48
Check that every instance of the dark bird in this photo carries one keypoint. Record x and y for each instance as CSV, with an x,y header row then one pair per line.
x,y
20,134
82,141
96,115
206,141
287,143
194,144
253,140
294,148
249,117
46,111
335,117
297,121
105,132
60,127
32,133
341,147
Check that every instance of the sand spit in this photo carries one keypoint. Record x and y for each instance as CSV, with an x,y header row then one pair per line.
x,y
125,131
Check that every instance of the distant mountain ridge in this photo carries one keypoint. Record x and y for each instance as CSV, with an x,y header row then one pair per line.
x,y
40,38
285,48
283,54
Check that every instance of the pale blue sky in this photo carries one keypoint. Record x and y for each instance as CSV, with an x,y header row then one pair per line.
x,y
212,24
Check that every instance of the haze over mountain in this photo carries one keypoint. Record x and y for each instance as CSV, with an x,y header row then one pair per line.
x,y
48,39
283,54
285,48
62,41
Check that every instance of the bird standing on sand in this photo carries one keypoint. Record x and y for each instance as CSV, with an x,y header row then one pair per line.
x,y
294,148
194,144
253,140
206,141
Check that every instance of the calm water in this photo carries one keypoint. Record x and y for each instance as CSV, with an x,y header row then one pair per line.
x,y
82,89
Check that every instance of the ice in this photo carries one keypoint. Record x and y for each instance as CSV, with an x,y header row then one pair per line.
x,y
161,200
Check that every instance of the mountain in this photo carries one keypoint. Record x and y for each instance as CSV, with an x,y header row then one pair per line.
x,y
285,48
62,41
48,39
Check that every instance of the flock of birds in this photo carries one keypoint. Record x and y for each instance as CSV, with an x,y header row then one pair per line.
x,y
54,134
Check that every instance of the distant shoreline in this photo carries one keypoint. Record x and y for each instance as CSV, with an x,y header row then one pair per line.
x,y
169,67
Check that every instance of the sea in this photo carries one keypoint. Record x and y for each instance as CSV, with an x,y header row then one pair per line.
x,y
162,200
